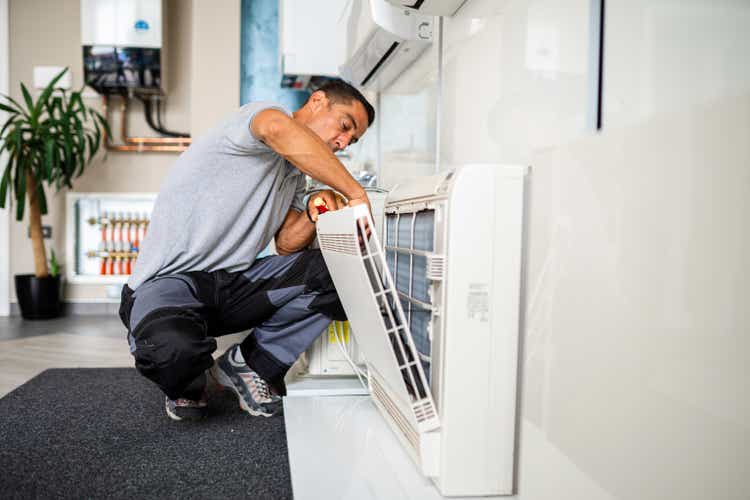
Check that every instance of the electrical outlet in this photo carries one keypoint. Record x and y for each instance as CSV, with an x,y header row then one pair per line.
x,y
46,232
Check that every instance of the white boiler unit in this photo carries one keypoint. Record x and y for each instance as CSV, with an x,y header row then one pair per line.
x,y
436,311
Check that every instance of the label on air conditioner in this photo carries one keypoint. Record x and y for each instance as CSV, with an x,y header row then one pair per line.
x,y
478,302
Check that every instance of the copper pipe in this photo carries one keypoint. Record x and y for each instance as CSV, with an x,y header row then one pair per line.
x,y
141,148
161,140
142,144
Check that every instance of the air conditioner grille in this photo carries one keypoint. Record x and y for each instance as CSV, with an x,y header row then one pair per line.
x,y
341,243
436,267
410,241
392,408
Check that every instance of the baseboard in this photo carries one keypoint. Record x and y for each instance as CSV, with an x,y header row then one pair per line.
x,y
79,308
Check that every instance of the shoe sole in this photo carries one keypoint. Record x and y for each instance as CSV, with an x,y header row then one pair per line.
x,y
225,381
171,415
178,418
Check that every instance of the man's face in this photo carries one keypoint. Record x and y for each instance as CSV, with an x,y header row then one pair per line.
x,y
338,124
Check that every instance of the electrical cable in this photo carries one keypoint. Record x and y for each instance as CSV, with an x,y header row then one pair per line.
x,y
158,111
340,341
357,371
150,119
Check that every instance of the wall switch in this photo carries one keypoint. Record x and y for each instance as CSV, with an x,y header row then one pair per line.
x,y
44,74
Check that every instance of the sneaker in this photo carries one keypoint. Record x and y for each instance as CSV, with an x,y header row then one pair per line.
x,y
189,409
186,409
255,395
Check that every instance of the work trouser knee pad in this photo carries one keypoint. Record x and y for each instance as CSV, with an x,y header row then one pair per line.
x,y
172,349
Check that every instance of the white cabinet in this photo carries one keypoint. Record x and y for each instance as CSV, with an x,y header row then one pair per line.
x,y
122,23
310,41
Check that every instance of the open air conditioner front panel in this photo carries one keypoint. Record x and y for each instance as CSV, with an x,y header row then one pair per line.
x,y
370,297
440,297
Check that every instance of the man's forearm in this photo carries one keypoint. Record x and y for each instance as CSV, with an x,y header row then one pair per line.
x,y
306,151
295,234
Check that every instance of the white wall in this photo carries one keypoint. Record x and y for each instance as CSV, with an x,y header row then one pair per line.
x,y
215,54
636,330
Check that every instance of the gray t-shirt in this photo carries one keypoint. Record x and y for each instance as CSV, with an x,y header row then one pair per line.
x,y
221,203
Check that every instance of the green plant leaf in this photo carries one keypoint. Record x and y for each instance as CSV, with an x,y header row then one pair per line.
x,y
28,99
79,130
75,98
46,93
92,145
20,109
7,124
5,182
47,140
20,189
97,139
49,149
42,199
19,144
104,124
8,109
54,265
68,150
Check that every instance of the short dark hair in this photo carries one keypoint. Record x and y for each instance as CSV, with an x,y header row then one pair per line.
x,y
338,91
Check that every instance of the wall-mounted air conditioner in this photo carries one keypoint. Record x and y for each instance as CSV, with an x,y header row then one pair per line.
x,y
384,40
435,311
431,7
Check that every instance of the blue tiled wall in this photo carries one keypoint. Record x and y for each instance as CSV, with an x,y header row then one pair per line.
x,y
260,73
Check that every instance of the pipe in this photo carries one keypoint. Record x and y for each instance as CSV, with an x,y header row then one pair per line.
x,y
156,141
140,148
164,140
148,113
142,144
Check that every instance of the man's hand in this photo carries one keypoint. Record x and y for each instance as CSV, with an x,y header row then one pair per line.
x,y
330,200
334,201
359,201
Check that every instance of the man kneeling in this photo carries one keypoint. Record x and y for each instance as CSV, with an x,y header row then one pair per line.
x,y
197,277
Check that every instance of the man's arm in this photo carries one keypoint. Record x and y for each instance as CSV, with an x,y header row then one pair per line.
x,y
295,233
306,151
297,230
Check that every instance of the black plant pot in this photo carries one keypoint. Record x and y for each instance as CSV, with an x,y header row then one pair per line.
x,y
38,298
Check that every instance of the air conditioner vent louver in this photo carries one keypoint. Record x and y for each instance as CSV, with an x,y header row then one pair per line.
x,y
436,267
400,420
341,243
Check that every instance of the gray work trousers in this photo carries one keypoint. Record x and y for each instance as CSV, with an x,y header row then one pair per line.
x,y
172,320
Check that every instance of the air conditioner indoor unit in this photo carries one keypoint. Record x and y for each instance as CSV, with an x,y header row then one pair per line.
x,y
384,41
435,311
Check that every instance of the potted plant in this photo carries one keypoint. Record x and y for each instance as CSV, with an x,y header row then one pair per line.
x,y
48,142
